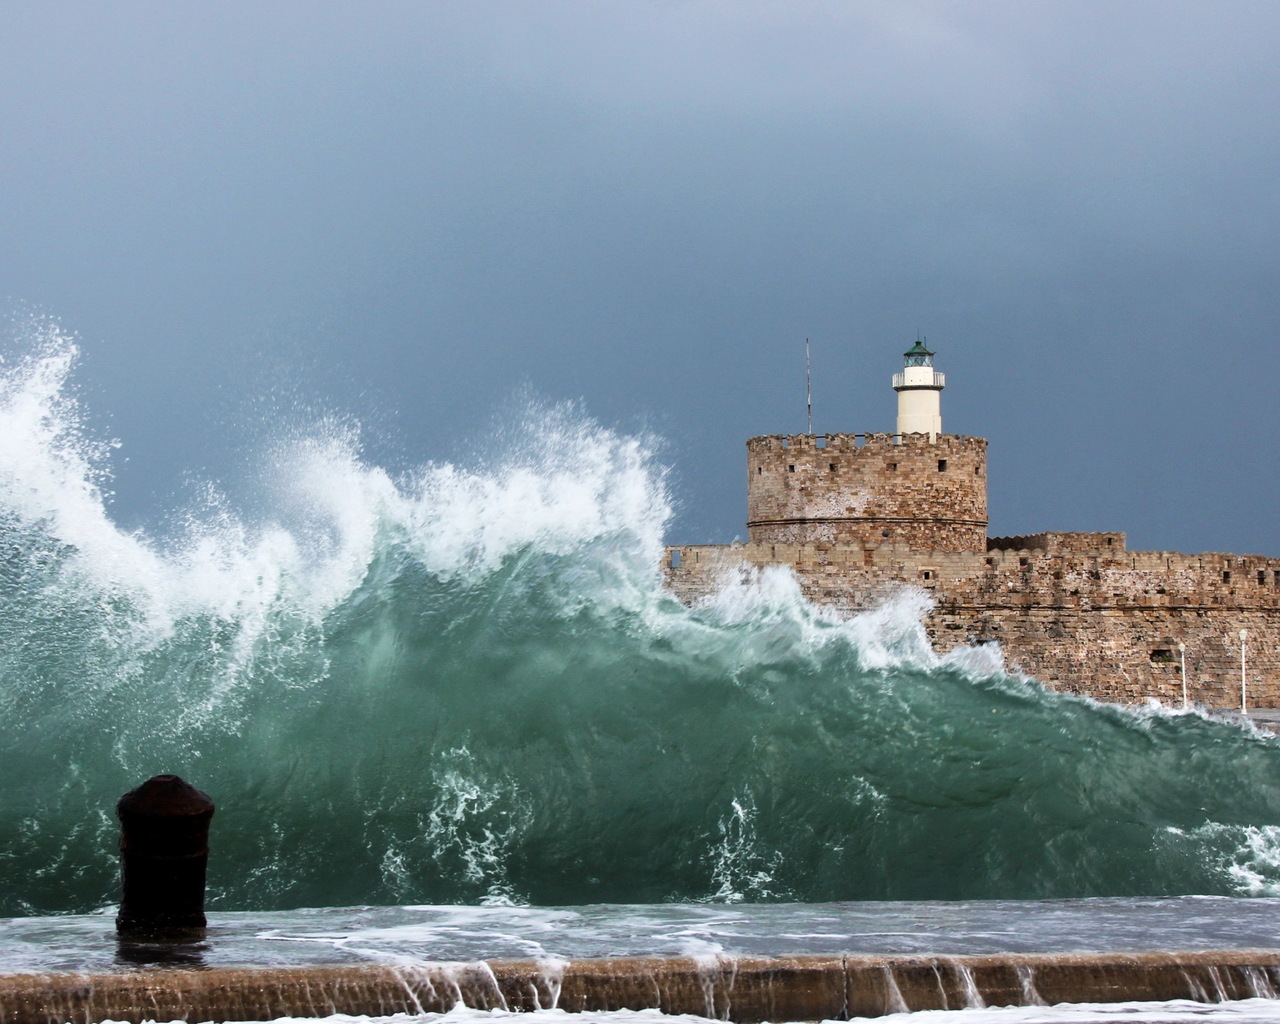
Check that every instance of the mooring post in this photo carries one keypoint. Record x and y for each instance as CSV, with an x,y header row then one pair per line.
x,y
164,849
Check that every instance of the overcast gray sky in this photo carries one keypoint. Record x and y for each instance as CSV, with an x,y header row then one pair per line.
x,y
409,211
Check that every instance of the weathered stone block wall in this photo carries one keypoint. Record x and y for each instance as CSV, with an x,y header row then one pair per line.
x,y
868,489
1102,623
1109,626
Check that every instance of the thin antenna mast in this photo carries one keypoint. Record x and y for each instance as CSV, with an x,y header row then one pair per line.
x,y
808,385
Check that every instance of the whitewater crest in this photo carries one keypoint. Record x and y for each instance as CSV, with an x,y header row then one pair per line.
x,y
468,684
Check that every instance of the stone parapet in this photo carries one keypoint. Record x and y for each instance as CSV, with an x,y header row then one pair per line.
x,y
1106,625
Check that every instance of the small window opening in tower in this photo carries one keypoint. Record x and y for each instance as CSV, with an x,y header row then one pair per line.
x,y
1226,575
1162,656
942,465
928,574
892,466
977,471
1024,562
791,468
759,469
1109,540
1262,576
786,442
675,560
831,466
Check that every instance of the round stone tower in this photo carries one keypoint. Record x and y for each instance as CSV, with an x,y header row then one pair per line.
x,y
919,488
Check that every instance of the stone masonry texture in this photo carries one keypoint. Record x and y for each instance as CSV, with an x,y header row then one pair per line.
x,y
1077,611
868,489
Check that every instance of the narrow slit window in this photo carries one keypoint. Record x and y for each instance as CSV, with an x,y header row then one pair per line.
x,y
675,560
942,465
1226,575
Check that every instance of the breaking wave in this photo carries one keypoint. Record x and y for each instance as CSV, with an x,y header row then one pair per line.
x,y
468,684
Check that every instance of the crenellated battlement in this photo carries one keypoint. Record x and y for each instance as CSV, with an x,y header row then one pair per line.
x,y
860,442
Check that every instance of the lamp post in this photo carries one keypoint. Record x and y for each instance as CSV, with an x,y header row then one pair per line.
x,y
1182,653
1243,635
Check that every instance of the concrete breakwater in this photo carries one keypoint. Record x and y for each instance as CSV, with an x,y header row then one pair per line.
x,y
741,989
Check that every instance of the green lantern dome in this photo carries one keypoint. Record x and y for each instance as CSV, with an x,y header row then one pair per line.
x,y
918,355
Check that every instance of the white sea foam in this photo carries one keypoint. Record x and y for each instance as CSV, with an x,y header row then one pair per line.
x,y
567,482
1179,1011
563,485
461,826
770,601
1175,1011
1249,855
742,867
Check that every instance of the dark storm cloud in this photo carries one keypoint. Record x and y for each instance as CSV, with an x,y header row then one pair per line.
x,y
409,210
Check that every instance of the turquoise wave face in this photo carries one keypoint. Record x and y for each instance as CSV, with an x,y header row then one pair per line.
x,y
469,685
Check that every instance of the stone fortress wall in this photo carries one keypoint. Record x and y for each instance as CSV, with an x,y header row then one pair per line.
x,y
1078,611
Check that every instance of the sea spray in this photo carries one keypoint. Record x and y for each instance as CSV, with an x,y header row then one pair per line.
x,y
468,684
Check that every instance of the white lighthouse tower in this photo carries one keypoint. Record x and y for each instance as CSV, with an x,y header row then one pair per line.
x,y
919,388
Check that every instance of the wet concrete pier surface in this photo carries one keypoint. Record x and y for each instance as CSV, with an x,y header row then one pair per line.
x,y
736,988
743,962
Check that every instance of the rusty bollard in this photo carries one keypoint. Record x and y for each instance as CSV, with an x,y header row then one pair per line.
x,y
164,849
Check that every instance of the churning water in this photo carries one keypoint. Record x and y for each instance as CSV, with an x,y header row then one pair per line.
x,y
467,684
1245,1011
406,936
